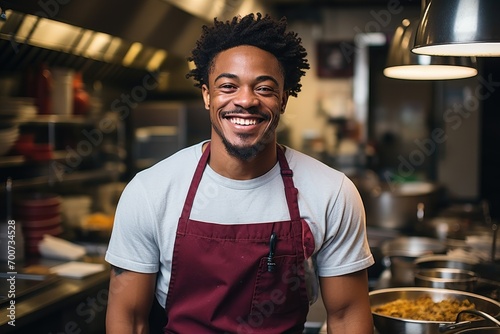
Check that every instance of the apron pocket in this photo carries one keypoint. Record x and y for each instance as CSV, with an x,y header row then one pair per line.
x,y
280,291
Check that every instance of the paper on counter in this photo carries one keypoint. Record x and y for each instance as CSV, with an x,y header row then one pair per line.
x,y
75,269
57,248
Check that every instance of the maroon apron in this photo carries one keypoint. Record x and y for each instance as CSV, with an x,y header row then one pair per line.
x,y
246,278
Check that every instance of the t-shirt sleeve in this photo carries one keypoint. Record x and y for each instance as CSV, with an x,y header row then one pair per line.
x,y
345,248
128,248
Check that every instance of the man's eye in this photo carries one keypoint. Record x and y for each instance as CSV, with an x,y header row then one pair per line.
x,y
265,89
227,86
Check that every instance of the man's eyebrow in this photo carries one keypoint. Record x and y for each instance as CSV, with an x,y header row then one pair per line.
x,y
258,79
225,75
267,77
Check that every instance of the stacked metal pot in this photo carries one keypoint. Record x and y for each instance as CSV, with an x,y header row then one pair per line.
x,y
419,266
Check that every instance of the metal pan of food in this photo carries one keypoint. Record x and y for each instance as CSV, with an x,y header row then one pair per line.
x,y
420,310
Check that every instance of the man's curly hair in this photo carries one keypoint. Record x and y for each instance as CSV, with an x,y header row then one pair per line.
x,y
256,30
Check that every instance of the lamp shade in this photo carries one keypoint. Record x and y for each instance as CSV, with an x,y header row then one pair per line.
x,y
404,64
459,28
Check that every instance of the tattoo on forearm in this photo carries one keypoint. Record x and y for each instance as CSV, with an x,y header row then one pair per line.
x,y
118,270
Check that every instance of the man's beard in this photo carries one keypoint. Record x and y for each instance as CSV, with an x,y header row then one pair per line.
x,y
246,153
243,153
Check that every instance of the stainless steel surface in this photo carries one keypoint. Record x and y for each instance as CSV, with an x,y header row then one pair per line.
x,y
445,261
400,206
446,278
412,247
172,25
400,254
99,37
488,283
402,63
33,306
387,324
25,284
459,28
478,313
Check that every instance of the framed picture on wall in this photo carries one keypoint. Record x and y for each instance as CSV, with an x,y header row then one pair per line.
x,y
335,59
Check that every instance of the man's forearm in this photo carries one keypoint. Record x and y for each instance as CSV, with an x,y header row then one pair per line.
x,y
350,323
129,302
126,327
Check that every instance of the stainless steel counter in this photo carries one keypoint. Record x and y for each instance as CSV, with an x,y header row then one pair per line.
x,y
66,305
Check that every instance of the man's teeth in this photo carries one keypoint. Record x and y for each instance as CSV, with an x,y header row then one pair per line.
x,y
243,121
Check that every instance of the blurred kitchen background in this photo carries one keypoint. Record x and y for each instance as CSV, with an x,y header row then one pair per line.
x,y
91,92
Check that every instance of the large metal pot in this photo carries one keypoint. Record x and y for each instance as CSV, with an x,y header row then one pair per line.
x,y
400,206
400,254
446,261
446,278
386,324
487,273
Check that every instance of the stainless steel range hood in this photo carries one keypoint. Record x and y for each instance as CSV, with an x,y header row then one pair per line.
x,y
151,35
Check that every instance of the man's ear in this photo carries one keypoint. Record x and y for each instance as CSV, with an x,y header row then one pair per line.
x,y
284,101
206,96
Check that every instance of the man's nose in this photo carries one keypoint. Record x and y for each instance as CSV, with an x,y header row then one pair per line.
x,y
246,98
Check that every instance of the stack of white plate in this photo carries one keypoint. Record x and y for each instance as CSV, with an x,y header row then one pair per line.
x,y
8,136
17,109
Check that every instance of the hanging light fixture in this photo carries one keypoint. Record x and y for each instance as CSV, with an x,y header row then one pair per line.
x,y
404,64
459,28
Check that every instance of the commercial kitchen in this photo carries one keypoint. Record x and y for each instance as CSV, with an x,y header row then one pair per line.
x,y
92,92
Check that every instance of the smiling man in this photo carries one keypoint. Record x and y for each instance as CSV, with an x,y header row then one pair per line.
x,y
245,96
238,233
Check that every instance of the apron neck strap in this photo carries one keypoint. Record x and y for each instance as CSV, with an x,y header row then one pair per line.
x,y
290,190
195,182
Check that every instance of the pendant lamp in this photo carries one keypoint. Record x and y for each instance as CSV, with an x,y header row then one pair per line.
x,y
404,64
459,28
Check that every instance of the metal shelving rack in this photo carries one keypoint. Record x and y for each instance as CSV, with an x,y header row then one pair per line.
x,y
56,173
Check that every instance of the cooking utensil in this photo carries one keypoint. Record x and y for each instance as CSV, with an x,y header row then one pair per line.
x,y
459,324
400,206
446,261
446,278
487,273
400,254
388,324
412,246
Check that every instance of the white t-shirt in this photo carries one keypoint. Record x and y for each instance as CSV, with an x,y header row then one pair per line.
x,y
150,206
